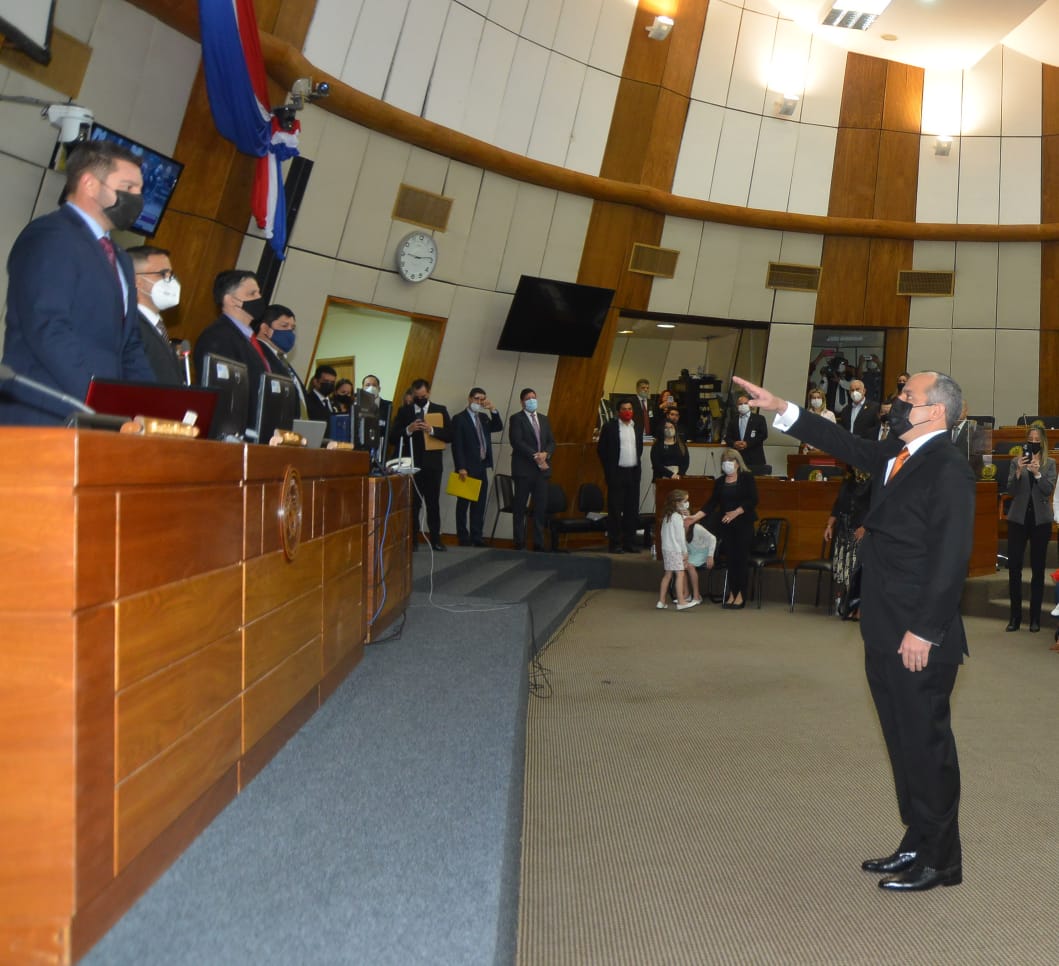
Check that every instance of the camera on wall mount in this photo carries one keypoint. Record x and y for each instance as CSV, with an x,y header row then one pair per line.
x,y
74,122
302,92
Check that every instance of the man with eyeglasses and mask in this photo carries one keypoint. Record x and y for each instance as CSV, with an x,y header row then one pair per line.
x,y
238,296
157,289
71,298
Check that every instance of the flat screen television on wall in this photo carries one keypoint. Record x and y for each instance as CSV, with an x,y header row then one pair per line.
x,y
555,318
160,176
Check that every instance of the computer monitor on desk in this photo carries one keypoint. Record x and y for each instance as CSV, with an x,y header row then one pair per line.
x,y
277,406
232,383
366,421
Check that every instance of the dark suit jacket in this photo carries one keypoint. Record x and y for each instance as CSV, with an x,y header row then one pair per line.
x,y
920,529
280,364
315,407
65,318
757,432
524,443
465,447
222,338
424,458
168,369
608,449
867,424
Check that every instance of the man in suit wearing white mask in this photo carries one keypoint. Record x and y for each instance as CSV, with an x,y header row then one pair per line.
x,y
157,289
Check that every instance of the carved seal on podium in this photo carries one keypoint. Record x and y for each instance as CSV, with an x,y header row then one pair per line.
x,y
290,512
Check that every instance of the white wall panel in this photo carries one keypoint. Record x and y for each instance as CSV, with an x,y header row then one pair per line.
x,y
693,177
489,230
329,193
674,294
417,48
825,75
588,140
329,36
750,299
523,92
977,267
813,163
788,356
770,185
937,194
566,239
577,28
541,22
77,17
942,102
394,292
1021,96
1017,376
753,55
374,43
797,307
169,71
554,123
979,201
426,170
366,233
120,41
488,82
451,81
463,185
509,14
735,158
981,95
789,66
26,134
349,281
1020,181
713,74
528,237
478,6
930,349
719,254
1019,287
971,366
611,40
305,280
933,313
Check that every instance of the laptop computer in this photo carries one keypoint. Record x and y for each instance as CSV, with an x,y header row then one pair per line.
x,y
312,429
130,399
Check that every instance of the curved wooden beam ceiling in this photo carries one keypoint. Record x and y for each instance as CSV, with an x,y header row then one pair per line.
x,y
285,64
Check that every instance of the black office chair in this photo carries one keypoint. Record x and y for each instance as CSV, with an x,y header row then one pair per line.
x,y
823,565
813,471
765,469
589,501
769,548
504,486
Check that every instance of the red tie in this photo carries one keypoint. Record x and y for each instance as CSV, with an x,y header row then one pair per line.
x,y
646,417
260,352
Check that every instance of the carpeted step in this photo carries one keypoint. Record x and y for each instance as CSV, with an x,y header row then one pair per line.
x,y
474,578
551,606
521,584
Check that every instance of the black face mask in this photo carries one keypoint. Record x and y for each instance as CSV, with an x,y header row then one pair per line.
x,y
125,210
899,416
255,308
326,388
420,401
1034,447
884,417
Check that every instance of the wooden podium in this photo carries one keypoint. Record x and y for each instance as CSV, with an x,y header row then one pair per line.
x,y
173,612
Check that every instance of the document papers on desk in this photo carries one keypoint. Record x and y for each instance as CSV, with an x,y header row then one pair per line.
x,y
467,489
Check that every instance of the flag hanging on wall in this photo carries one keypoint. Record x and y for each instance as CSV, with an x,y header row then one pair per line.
x,y
238,94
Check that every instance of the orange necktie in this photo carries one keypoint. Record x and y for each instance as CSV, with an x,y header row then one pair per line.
x,y
899,461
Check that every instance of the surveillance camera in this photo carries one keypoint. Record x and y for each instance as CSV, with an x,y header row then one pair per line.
x,y
322,89
74,123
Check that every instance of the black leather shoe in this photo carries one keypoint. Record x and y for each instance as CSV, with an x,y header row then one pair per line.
x,y
439,546
1035,626
919,878
479,543
464,541
1013,625
891,864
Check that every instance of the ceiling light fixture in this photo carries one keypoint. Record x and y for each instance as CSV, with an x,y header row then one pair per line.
x,y
787,106
665,325
860,17
943,146
660,28
625,332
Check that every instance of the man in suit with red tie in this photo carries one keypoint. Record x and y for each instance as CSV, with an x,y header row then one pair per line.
x,y
472,455
914,557
71,297
238,296
532,447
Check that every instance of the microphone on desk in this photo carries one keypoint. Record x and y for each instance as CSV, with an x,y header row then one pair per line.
x,y
183,352
7,374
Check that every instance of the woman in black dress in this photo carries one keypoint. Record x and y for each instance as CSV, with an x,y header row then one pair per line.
x,y
669,453
844,528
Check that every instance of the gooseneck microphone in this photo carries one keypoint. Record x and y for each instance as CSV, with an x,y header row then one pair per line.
x,y
183,352
7,374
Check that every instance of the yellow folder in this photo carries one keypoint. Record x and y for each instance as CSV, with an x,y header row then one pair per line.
x,y
467,489
432,442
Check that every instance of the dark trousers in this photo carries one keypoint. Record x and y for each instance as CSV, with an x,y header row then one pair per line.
x,y
1037,537
525,487
474,508
427,492
913,708
734,541
623,505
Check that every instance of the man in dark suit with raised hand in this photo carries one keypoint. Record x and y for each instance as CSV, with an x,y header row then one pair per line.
x,y
532,448
71,298
472,455
412,423
620,448
914,557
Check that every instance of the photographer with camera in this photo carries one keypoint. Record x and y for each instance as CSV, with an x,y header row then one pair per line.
x,y
1031,481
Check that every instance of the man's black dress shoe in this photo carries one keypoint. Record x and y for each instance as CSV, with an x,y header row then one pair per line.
x,y
1013,625
479,543
518,546
919,878
439,546
464,541
1034,626
891,864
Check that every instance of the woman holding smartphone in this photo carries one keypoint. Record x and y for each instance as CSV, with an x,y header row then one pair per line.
x,y
1031,481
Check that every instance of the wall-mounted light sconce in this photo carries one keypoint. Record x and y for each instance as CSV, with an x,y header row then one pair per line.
x,y
943,146
659,30
788,105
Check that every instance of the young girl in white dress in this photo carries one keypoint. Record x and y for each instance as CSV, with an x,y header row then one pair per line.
x,y
675,552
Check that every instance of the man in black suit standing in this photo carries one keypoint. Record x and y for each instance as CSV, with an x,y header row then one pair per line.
x,y
914,556
532,447
747,433
620,448
238,296
157,289
416,422
318,399
370,384
472,455
861,416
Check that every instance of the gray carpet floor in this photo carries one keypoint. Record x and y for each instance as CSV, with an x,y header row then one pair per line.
x,y
702,786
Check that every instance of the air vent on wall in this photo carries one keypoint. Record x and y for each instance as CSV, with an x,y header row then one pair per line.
x,y
793,278
928,284
422,208
652,260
